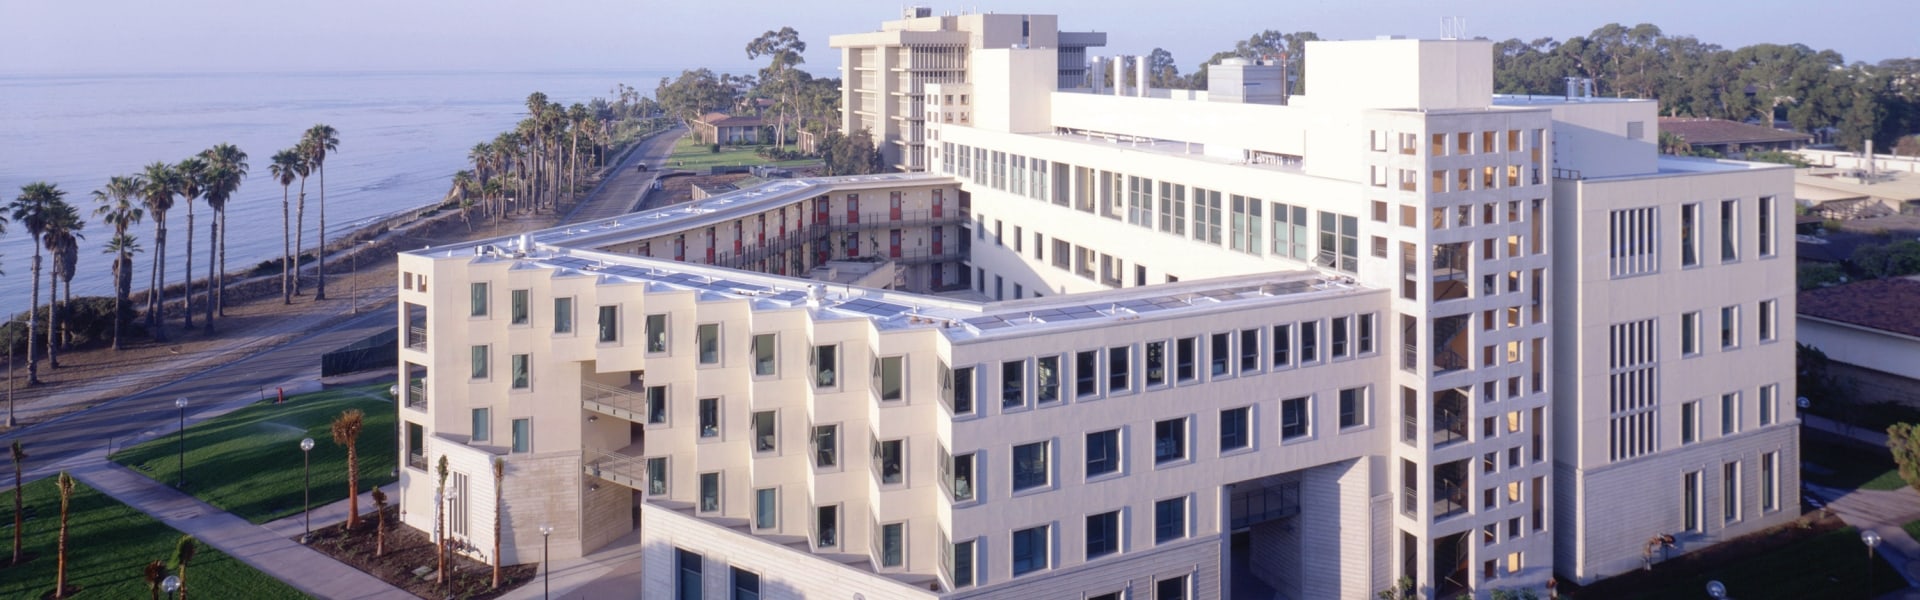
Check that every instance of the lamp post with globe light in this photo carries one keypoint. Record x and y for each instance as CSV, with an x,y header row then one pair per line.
x,y
181,403
1716,590
546,577
306,486
1872,540
170,585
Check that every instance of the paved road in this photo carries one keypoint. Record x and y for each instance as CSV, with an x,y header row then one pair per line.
x,y
621,193
57,443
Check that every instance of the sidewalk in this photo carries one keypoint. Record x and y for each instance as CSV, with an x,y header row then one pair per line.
x,y
612,572
1882,511
262,548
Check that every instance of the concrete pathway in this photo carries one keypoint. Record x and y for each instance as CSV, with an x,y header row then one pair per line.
x,y
613,572
299,566
623,188
1882,511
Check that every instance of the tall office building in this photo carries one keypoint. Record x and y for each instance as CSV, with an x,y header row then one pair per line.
x,y
1214,344
884,74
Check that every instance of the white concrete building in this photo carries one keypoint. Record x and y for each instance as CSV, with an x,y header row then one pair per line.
x,y
1215,347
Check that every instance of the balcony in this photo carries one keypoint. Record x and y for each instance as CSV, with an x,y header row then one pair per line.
x,y
628,403
1450,418
1449,489
894,220
623,466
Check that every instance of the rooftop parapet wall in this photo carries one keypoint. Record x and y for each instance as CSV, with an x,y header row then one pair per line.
x,y
1407,74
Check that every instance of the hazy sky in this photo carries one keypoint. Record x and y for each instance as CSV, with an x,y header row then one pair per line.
x,y
142,36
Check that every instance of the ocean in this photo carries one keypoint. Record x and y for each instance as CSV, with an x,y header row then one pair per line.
x,y
402,136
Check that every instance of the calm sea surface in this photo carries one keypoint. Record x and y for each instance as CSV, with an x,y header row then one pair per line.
x,y
402,135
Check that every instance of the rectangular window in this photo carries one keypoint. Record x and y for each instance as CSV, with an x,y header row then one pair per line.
x,y
522,378
1170,441
479,369
746,584
1046,375
416,446
656,334
1030,466
825,361
1730,491
1630,242
893,552
963,401
1119,369
891,378
1171,588
1244,229
1689,235
1169,520
1309,341
522,436
1691,503
1030,550
709,492
959,476
887,461
1013,384
1770,482
1293,418
1184,359
1689,422
1220,354
477,303
609,324
563,315
1282,345
709,417
1690,333
518,312
1353,407
766,508
1103,452
1364,334
657,476
826,446
1206,216
707,337
1765,221
826,526
1156,363
960,564
764,356
657,405
1103,534
1173,208
1769,316
1730,327
764,432
1249,350
1729,230
1769,403
482,424
1338,331
1233,429
686,581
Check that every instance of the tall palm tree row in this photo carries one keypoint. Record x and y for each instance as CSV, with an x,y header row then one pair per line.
x,y
319,140
226,170
62,240
189,185
119,209
156,191
34,209
287,165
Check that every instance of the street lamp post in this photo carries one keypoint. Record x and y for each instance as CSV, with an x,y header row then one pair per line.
x,y
1716,590
181,403
170,585
1872,540
546,578
306,491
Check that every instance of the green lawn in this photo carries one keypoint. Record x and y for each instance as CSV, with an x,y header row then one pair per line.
x,y
1829,565
1846,464
247,462
1913,528
690,154
108,547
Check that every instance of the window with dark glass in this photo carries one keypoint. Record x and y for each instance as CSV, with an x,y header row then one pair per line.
x,y
1169,520
1234,424
518,312
1013,383
1030,466
656,334
1103,534
826,446
1170,440
656,405
1293,418
1156,363
1046,375
687,583
887,461
709,492
1309,341
763,431
764,347
1249,350
1338,331
1221,355
1119,369
657,476
1086,373
1282,345
1103,452
1029,550
1184,350
706,337
709,417
609,324
563,315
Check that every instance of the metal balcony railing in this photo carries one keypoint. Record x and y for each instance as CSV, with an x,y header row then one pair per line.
x,y
417,394
614,401
630,471
417,337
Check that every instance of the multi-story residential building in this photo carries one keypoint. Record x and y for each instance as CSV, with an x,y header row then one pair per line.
x,y
884,74
1212,346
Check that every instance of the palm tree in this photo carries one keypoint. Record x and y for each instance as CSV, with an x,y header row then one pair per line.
x,y
191,184
379,522
33,208
154,575
287,164
65,483
463,185
157,193
226,170
346,432
62,240
300,211
320,140
183,552
119,210
19,500
499,505
576,117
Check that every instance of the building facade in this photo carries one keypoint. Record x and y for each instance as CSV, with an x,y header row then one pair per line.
x,y
1204,346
